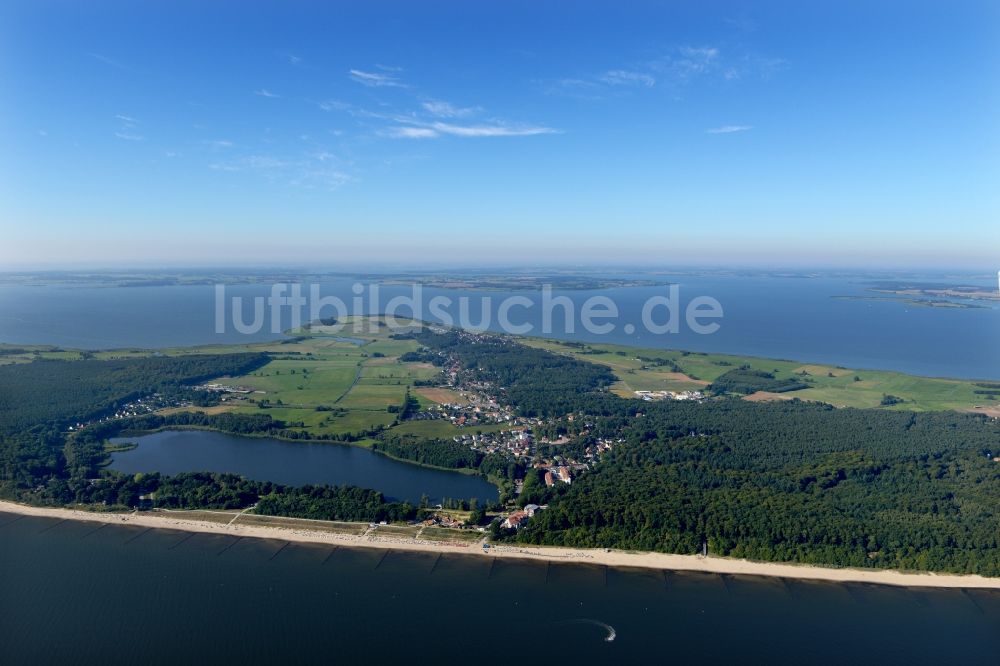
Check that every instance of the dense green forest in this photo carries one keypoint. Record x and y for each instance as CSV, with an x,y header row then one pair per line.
x,y
747,381
61,393
39,400
228,491
334,503
790,481
446,453
42,464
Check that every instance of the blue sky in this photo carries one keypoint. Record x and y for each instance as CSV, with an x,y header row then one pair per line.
x,y
501,133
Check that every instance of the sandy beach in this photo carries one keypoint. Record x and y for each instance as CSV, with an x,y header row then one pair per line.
x,y
611,558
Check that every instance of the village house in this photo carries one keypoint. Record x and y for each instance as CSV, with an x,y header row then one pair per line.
x,y
515,520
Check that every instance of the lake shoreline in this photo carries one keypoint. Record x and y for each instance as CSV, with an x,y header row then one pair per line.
x,y
599,557
485,488
358,443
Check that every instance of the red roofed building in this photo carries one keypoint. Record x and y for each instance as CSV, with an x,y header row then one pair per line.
x,y
515,520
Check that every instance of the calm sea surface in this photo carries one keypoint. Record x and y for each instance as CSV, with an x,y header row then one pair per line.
x,y
295,464
79,593
793,318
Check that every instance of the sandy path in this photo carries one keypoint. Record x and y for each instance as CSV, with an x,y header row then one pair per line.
x,y
611,558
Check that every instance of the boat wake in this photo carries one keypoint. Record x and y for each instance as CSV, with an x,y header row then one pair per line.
x,y
612,634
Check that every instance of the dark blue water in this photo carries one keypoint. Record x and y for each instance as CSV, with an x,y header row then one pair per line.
x,y
295,464
793,318
79,593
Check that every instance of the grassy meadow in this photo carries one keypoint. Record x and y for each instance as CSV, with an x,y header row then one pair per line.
x,y
841,387
330,381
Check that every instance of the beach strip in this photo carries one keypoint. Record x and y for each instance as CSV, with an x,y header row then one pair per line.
x,y
612,558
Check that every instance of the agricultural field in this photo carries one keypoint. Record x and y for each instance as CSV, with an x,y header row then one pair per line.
x,y
439,428
841,387
327,382
373,396
441,396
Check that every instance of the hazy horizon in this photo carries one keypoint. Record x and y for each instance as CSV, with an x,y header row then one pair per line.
x,y
361,267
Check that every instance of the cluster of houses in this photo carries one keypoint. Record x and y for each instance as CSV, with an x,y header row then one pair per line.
x,y
519,518
480,409
556,474
137,407
441,520
223,388
670,395
594,451
517,442
484,407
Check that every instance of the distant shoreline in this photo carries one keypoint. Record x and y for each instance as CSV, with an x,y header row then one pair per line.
x,y
610,558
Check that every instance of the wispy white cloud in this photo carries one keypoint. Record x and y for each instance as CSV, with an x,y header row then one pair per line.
x,y
678,66
411,133
610,83
765,67
313,171
584,89
699,53
264,92
375,80
127,131
446,110
265,162
42,132
491,130
109,61
251,163
577,83
742,23
729,129
327,179
432,130
431,120
621,77
688,62
218,143
334,105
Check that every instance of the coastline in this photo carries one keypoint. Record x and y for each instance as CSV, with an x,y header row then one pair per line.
x,y
600,557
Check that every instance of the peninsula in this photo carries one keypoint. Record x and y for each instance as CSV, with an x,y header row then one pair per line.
x,y
596,449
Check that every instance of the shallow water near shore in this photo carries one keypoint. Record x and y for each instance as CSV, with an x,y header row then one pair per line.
x,y
295,464
80,592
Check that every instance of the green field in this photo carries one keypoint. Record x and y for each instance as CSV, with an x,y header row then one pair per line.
x,y
448,534
441,428
319,382
396,531
834,385
351,384
323,384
